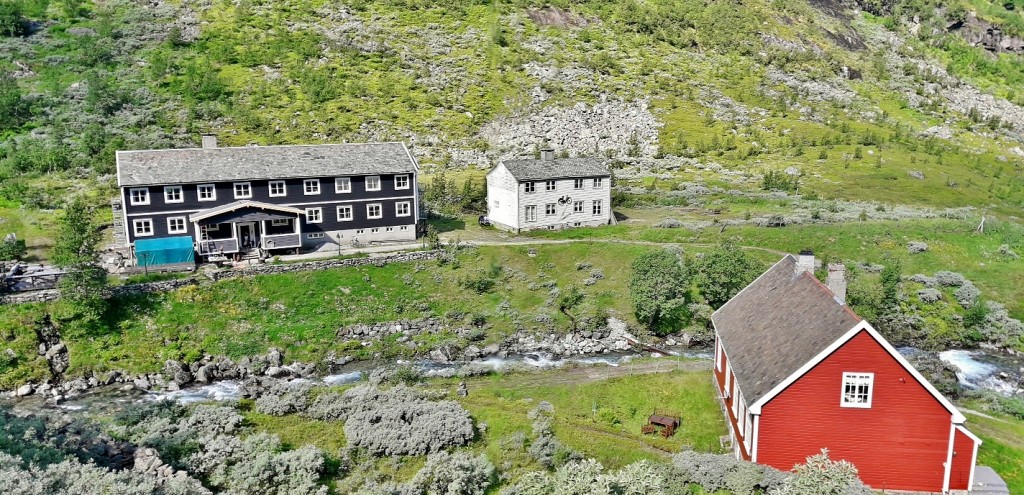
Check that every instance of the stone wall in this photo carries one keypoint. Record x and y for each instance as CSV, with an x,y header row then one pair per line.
x,y
48,295
268,269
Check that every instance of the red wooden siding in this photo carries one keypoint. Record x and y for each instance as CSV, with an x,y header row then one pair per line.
x,y
728,403
963,453
900,442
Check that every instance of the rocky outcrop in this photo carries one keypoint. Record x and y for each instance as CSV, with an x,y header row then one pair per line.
x,y
52,348
979,32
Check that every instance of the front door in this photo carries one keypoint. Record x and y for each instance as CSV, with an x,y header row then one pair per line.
x,y
247,235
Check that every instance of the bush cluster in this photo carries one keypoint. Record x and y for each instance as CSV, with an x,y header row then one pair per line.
x,y
544,447
724,472
401,421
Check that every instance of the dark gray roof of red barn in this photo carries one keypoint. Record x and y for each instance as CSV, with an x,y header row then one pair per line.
x,y
199,165
558,168
777,324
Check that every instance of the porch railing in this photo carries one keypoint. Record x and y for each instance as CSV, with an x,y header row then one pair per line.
x,y
215,246
281,241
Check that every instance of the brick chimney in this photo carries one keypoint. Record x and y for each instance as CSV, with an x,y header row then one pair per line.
x,y
209,141
547,153
805,262
837,281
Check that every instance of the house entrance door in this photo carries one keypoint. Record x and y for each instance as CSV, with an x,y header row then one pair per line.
x,y
248,237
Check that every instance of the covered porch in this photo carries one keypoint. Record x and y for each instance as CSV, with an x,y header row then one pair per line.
x,y
243,226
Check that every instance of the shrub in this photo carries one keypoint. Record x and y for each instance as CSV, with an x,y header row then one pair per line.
x,y
460,473
401,421
588,476
658,290
669,223
929,295
777,180
823,476
11,21
949,279
917,247
967,295
722,471
545,448
725,271
12,249
284,398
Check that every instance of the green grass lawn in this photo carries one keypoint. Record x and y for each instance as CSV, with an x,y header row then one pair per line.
x,y
1003,447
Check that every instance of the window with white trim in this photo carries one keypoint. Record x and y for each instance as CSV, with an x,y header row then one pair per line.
x,y
172,194
374,210
373,183
401,182
359,231
403,209
143,227
314,215
207,192
598,182
719,354
549,185
549,209
315,235
597,207
529,187
342,185
345,213
176,225
139,196
728,380
577,183
389,229
577,207
278,189
374,230
857,388
279,222
404,227
531,213
243,190
311,187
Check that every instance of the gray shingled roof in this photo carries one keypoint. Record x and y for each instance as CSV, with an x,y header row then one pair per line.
x,y
559,168
777,324
197,165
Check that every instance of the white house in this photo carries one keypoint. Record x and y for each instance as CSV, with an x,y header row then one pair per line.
x,y
549,193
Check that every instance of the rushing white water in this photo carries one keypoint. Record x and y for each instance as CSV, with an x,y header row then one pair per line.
x,y
343,378
975,373
217,391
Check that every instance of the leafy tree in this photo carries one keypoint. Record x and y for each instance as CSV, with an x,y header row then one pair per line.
x,y
76,251
659,290
568,300
12,23
12,249
890,280
13,107
725,271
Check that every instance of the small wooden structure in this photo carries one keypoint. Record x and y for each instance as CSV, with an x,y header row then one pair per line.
x,y
29,277
667,422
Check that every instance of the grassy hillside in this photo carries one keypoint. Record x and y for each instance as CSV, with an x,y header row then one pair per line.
x,y
716,93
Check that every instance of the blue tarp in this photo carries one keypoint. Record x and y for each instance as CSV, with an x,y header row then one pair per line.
x,y
164,251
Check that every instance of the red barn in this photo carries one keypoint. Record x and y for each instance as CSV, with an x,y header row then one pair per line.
x,y
799,371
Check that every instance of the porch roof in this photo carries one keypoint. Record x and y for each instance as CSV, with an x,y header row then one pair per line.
x,y
246,211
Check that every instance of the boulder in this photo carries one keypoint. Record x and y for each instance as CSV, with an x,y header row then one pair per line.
x,y
25,390
274,357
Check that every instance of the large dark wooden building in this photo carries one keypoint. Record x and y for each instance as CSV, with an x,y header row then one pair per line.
x,y
236,200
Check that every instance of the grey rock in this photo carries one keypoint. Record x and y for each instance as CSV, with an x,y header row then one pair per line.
x,y
25,390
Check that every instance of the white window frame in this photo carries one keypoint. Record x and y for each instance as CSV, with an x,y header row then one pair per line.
x,y
210,188
577,207
398,209
597,207
728,380
529,187
140,202
359,231
550,209
376,179
856,380
184,225
284,188
550,185
578,184
406,178
311,187
143,221
719,354
403,227
279,222
380,211
315,235
389,229
168,190
246,185
351,213
374,230
314,212
598,182
342,185
530,213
